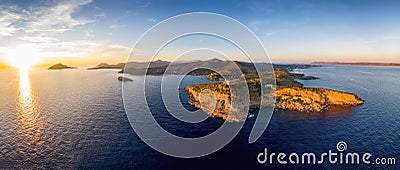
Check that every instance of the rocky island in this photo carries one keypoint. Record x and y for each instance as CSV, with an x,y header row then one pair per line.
x,y
60,66
121,78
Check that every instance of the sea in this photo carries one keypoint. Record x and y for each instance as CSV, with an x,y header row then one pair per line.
x,y
75,119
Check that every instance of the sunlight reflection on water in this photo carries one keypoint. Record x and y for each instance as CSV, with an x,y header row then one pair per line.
x,y
30,128
25,93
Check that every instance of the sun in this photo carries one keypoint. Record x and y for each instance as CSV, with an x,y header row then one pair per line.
x,y
21,57
22,62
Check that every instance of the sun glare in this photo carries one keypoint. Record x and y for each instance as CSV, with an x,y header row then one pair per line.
x,y
22,58
22,63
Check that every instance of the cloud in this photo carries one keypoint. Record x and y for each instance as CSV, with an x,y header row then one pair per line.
x,y
151,20
8,18
272,33
103,14
266,7
257,25
142,3
116,26
379,40
70,49
391,37
268,34
38,39
369,41
89,33
41,20
92,48
57,18
43,29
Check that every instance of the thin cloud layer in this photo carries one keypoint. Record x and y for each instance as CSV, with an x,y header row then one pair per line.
x,y
42,28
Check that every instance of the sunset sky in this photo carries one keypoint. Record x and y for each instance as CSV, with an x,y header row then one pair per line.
x,y
85,32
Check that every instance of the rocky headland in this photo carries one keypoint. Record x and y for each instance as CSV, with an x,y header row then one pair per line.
x,y
308,100
313,99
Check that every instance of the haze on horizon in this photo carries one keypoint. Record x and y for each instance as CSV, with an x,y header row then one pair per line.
x,y
88,32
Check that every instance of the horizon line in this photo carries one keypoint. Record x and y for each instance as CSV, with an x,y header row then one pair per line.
x,y
2,66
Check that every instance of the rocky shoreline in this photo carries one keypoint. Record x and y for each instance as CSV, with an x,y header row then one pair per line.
x,y
313,99
308,100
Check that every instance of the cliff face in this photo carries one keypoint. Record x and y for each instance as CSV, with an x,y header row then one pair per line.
x,y
313,99
215,103
215,99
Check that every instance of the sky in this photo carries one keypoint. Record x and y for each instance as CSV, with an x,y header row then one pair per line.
x,y
88,32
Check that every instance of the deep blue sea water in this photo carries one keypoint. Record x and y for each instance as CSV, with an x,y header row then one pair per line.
x,y
76,119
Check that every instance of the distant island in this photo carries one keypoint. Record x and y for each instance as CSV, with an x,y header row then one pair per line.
x,y
359,63
108,66
290,94
60,66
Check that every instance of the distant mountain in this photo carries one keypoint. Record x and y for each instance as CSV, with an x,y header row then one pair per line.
x,y
199,67
359,63
60,66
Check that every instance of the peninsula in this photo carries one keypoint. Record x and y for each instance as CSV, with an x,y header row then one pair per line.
x,y
108,66
290,94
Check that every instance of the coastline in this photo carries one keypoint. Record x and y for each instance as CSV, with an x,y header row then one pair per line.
x,y
290,96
